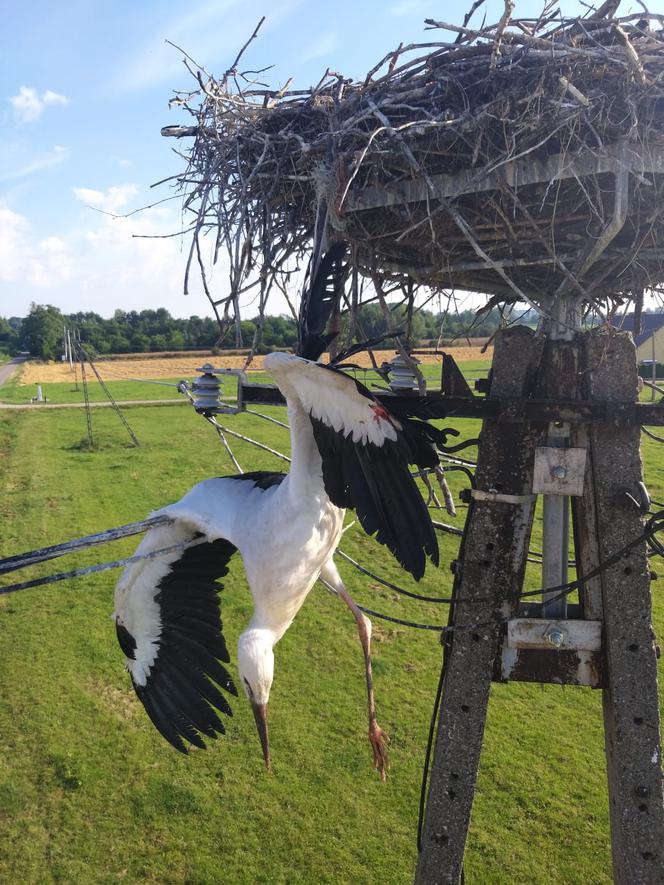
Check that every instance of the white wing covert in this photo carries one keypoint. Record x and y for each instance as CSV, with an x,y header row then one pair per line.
x,y
365,453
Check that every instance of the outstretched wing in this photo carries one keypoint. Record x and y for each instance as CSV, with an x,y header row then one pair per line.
x,y
169,627
365,453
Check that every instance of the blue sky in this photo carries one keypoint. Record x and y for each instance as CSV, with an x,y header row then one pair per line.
x,y
85,90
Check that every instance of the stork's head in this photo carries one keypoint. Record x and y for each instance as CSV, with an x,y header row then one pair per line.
x,y
255,659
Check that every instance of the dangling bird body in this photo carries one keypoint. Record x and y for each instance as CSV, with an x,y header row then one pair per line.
x,y
347,451
284,538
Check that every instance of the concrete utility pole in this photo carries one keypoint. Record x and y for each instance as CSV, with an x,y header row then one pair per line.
x,y
606,641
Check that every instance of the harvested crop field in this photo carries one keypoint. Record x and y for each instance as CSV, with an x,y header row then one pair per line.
x,y
119,369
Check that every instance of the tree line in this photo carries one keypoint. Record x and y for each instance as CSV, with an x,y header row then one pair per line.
x,y
41,332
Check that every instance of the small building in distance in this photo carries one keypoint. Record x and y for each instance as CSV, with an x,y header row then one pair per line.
x,y
651,335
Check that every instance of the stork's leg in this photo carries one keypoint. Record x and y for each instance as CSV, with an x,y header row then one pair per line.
x,y
377,736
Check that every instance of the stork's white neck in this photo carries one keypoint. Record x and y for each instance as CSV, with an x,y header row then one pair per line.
x,y
305,478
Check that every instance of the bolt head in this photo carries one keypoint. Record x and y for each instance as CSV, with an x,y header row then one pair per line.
x,y
556,638
560,472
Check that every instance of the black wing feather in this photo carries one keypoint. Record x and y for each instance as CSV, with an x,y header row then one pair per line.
x,y
376,481
159,719
318,302
183,685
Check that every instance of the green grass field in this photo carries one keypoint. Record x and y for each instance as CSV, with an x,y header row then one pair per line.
x,y
15,392
90,793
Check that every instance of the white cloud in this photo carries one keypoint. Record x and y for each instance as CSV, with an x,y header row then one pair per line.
x,y
54,263
111,200
28,105
101,263
23,260
13,231
321,47
57,155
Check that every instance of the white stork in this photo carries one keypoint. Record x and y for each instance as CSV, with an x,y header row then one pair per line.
x,y
347,451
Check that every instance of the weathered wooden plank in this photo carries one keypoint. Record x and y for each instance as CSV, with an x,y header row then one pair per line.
x,y
493,564
543,633
517,173
565,667
631,709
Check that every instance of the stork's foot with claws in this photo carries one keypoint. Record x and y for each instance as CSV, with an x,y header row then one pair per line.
x,y
379,741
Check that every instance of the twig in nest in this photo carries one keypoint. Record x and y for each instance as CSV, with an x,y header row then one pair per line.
x,y
500,30
630,52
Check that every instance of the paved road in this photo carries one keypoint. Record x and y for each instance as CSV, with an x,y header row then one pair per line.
x,y
7,370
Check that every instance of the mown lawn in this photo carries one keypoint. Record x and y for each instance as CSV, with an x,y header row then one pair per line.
x,y
90,793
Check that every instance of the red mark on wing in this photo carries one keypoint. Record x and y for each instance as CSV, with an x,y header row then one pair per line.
x,y
380,413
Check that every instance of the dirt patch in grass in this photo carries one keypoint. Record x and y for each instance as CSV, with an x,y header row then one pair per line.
x,y
131,369
119,702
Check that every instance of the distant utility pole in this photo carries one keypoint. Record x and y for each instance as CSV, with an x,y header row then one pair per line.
x,y
72,361
86,395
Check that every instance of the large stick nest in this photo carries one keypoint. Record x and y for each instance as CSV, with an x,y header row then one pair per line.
x,y
524,160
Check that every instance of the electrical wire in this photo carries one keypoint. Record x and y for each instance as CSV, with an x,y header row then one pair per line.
x,y
118,376
267,418
439,691
99,567
32,557
654,525
437,627
389,584
652,435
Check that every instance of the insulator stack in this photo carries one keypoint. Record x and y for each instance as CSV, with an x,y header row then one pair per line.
x,y
206,391
402,376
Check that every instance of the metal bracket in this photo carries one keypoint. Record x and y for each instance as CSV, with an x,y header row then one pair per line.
x,y
562,652
559,471
496,497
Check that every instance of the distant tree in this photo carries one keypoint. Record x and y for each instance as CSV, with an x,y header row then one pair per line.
x,y
175,340
8,337
42,330
145,330
140,343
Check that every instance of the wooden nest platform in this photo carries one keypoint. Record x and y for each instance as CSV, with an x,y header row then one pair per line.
x,y
524,160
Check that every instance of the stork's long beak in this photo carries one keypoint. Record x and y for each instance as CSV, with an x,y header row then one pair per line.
x,y
260,715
